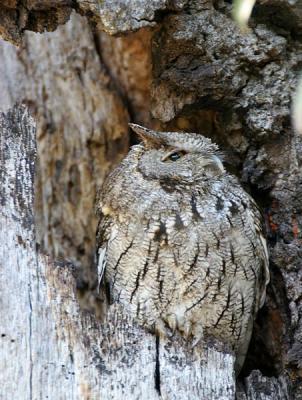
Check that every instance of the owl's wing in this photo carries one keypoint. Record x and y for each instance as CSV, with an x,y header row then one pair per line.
x,y
102,238
264,256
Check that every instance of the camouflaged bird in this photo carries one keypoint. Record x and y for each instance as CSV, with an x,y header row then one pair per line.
x,y
180,243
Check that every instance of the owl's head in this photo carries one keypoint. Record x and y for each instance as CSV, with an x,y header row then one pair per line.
x,y
178,157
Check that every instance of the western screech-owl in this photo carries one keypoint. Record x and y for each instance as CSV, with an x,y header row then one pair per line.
x,y
180,242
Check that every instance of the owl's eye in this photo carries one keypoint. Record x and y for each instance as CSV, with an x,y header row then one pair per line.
x,y
174,156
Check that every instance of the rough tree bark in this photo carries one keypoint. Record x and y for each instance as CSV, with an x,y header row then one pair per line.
x,y
194,70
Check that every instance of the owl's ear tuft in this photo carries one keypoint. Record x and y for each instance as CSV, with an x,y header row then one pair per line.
x,y
149,137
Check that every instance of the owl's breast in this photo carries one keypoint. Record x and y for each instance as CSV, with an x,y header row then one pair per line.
x,y
191,260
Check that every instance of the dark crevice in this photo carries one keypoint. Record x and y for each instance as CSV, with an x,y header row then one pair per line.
x,y
104,67
267,342
157,366
133,139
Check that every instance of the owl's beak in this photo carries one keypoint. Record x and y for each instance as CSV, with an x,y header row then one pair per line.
x,y
147,135
217,163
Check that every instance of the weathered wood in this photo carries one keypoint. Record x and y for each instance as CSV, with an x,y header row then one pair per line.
x,y
18,260
52,348
205,374
82,130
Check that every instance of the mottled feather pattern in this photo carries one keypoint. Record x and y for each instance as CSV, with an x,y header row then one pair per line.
x,y
184,246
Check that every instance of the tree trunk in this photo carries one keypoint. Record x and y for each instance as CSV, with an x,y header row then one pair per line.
x,y
195,71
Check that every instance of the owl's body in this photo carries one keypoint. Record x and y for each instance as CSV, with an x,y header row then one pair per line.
x,y
181,241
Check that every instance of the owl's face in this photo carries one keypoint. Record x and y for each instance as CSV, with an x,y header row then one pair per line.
x,y
177,157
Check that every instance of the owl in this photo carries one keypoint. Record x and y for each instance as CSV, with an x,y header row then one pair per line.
x,y
180,243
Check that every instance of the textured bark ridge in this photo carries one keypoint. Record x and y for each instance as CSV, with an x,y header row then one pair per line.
x,y
39,16
112,16
204,59
196,72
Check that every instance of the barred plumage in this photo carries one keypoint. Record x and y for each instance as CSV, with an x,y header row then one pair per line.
x,y
181,241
